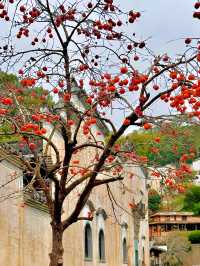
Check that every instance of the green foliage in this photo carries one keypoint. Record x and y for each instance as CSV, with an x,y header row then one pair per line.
x,y
5,136
9,139
194,237
37,100
6,78
174,203
31,99
192,200
174,142
154,201
178,247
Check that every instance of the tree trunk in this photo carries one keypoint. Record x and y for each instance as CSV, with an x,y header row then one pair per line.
x,y
56,255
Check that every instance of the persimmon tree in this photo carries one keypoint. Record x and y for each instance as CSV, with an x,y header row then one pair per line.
x,y
85,49
170,149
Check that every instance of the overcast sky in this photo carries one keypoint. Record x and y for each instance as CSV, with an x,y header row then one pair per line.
x,y
164,21
167,23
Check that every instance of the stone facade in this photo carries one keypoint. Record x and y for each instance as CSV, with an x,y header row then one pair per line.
x,y
193,257
25,233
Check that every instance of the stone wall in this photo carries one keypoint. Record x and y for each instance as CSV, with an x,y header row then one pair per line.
x,y
193,257
25,235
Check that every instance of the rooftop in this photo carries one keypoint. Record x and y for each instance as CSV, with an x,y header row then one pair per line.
x,y
172,213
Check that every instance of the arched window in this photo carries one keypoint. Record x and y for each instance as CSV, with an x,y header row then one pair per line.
x,y
101,246
124,248
125,255
88,242
136,253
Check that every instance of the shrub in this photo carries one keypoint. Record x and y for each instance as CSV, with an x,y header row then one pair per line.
x,y
154,200
192,200
194,237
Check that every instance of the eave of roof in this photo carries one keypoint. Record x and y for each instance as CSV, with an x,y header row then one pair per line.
x,y
174,222
172,213
11,158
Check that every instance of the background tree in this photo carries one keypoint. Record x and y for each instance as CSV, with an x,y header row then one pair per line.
x,y
192,200
154,200
166,144
194,237
86,44
177,249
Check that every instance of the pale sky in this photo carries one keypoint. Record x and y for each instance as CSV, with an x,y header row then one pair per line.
x,y
166,22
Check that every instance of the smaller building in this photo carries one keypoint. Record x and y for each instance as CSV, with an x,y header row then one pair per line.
x,y
161,224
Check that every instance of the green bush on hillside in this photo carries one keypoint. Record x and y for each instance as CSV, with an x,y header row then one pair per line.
x,y
192,200
194,237
154,200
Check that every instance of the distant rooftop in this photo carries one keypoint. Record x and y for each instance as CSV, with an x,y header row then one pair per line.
x,y
172,213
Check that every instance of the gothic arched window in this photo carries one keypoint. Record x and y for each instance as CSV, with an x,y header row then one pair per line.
x,y
88,241
101,246
124,250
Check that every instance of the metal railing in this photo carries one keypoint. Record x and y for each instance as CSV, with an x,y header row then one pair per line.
x,y
37,195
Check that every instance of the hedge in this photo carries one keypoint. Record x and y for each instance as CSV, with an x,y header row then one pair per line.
x,y
194,237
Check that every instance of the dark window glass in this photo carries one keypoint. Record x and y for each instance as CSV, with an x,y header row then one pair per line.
x,y
184,218
88,242
101,246
125,255
136,253
136,258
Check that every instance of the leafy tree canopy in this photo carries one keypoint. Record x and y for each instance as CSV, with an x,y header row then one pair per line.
x,y
192,200
154,201
165,145
33,99
194,237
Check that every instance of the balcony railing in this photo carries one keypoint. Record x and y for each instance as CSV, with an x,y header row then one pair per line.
x,y
35,199
36,195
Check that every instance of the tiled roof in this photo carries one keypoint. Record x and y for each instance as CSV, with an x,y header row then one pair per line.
x,y
12,158
172,213
190,221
